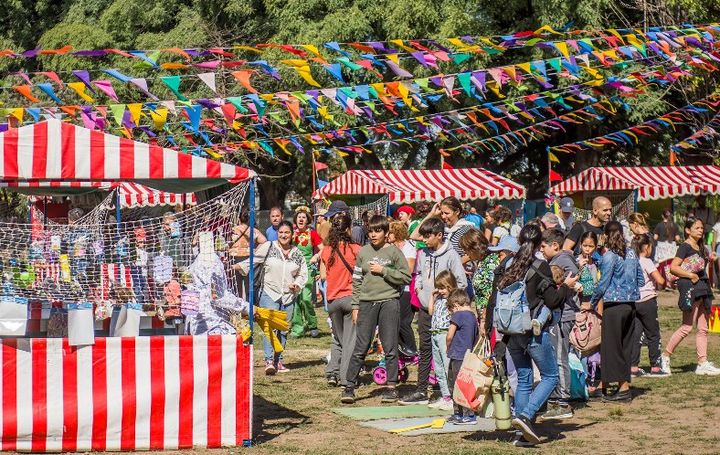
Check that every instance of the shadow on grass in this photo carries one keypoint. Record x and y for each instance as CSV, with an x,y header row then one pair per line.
x,y
271,420
548,432
305,364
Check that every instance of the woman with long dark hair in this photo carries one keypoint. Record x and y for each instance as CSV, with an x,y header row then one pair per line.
x,y
337,261
695,297
526,348
619,288
450,210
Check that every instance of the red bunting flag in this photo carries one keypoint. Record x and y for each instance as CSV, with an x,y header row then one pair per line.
x,y
320,166
445,165
555,177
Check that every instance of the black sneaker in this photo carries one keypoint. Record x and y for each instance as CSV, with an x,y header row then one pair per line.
x,y
415,398
332,380
348,396
390,395
618,397
557,411
523,424
407,352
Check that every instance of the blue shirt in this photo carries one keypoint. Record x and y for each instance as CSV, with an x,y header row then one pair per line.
x,y
466,334
271,233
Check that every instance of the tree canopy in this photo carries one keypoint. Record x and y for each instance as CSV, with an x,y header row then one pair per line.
x,y
136,24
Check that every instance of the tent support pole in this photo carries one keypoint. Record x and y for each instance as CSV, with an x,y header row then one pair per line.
x,y
45,212
251,272
117,224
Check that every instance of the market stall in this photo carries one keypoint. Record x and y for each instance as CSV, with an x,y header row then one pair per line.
x,y
409,186
650,182
83,392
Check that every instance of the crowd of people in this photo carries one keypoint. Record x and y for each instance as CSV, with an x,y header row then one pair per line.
x,y
445,267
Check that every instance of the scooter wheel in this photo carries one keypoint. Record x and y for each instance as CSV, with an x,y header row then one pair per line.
x,y
380,376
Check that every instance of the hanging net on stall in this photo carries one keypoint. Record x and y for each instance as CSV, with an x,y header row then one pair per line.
x,y
180,265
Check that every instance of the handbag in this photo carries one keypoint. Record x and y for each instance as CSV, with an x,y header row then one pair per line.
x,y
585,335
474,380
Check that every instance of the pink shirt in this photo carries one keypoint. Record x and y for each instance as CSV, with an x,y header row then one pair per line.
x,y
647,291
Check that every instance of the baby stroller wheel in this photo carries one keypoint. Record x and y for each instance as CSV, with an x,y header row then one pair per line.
x,y
380,375
403,375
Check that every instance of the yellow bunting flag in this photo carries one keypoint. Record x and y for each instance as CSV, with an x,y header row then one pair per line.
x,y
79,88
159,117
135,111
303,69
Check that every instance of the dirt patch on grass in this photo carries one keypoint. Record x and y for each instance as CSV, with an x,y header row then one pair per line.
x,y
668,415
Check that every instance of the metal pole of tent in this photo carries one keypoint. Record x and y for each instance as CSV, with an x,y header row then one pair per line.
x,y
251,273
44,211
117,239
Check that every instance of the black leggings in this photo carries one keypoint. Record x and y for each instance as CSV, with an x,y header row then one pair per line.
x,y
407,314
646,320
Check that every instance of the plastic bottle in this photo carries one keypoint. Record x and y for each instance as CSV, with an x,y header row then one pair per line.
x,y
501,403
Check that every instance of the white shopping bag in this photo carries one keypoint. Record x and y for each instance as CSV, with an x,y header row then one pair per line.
x,y
128,321
81,324
13,316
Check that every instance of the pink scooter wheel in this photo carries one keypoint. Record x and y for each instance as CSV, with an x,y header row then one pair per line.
x,y
380,376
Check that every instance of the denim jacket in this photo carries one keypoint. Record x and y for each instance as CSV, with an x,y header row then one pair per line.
x,y
620,279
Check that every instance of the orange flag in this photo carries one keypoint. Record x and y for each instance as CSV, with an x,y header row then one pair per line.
x,y
26,91
243,76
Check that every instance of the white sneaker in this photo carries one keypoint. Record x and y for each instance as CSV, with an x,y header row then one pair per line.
x,y
665,365
446,405
707,369
436,404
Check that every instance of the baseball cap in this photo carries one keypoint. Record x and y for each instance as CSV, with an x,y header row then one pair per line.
x,y
337,207
406,209
567,205
507,243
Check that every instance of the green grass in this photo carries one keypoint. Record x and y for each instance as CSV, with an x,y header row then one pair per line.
x,y
667,415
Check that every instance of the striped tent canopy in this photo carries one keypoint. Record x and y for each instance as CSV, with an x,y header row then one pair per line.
x,y
408,186
131,194
57,151
651,183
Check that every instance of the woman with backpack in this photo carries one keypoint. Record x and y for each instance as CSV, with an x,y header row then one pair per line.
x,y
619,288
524,347
337,260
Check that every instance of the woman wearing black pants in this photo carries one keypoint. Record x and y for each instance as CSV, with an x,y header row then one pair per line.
x,y
398,236
618,288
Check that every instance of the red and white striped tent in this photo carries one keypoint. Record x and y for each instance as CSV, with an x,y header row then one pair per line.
x,y
651,182
408,186
130,393
59,151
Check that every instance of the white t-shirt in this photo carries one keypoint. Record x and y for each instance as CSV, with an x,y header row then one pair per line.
x,y
500,232
647,291
410,252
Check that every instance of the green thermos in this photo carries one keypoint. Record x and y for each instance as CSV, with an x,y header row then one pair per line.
x,y
501,403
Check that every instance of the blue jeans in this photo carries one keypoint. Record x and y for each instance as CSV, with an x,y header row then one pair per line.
x,y
267,302
442,361
524,350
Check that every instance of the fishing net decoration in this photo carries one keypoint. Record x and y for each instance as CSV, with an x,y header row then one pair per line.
x,y
178,266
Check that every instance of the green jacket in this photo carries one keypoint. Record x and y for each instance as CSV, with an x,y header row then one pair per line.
x,y
370,287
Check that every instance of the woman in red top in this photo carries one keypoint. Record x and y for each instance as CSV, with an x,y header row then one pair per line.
x,y
337,260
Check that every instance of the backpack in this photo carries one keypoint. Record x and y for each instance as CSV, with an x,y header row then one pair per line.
x,y
578,378
512,315
585,335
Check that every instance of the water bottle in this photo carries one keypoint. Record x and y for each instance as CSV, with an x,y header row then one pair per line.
x,y
501,403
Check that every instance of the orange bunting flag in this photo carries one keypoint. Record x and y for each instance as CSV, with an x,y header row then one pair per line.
x,y
243,76
26,91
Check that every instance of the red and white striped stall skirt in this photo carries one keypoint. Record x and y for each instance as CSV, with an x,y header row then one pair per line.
x,y
125,393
